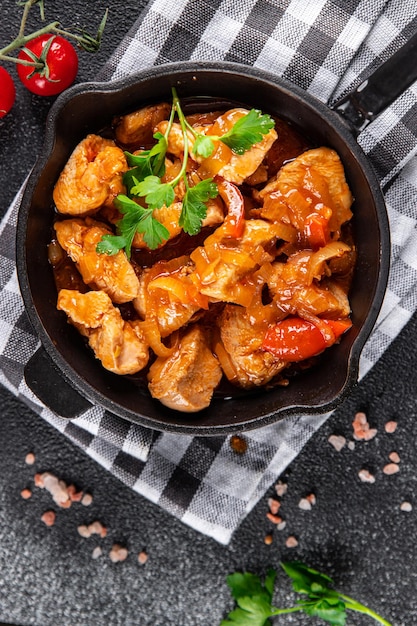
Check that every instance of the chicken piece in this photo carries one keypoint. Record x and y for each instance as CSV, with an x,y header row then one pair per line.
x,y
242,339
294,293
91,178
241,166
186,380
176,139
313,180
112,274
137,128
235,168
119,344
160,298
229,261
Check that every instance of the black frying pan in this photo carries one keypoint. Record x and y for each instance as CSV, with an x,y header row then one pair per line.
x,y
64,374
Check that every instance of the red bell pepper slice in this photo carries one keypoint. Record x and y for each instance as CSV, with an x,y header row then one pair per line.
x,y
234,223
316,230
295,339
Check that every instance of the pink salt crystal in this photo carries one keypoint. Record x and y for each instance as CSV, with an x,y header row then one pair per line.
x,y
48,518
304,504
337,441
391,468
57,488
87,499
97,552
275,519
274,505
38,480
143,557
30,458
26,494
84,531
361,428
311,498
118,553
281,488
391,426
394,457
73,494
365,476
406,506
291,542
97,528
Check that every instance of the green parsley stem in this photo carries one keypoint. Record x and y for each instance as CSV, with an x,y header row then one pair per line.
x,y
354,605
177,107
292,609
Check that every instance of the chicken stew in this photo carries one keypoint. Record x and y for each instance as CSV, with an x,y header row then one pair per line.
x,y
238,279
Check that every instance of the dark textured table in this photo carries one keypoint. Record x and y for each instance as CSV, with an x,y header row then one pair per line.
x,y
356,531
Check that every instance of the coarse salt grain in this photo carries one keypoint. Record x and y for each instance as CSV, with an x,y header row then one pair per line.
x,y
406,506
281,525
304,504
281,488
361,429
95,528
275,519
26,494
87,499
391,426
143,557
291,542
391,468
118,553
274,505
48,518
84,531
30,458
366,476
337,441
351,445
97,552
394,457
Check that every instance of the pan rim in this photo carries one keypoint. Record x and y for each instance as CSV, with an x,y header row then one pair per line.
x,y
174,69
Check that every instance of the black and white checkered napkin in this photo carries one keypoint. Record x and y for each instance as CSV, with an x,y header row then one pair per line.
x,y
326,47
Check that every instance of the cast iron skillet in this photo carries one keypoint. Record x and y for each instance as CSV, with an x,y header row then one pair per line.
x,y
65,375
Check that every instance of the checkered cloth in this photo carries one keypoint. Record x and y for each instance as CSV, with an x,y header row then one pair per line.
x,y
326,47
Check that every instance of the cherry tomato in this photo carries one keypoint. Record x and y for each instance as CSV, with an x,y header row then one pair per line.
x,y
295,339
61,65
7,92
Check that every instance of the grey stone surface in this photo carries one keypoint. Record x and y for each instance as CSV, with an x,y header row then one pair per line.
x,y
355,532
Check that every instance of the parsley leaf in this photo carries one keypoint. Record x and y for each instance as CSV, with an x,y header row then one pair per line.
x,y
143,180
156,193
203,146
248,131
194,207
254,599
135,219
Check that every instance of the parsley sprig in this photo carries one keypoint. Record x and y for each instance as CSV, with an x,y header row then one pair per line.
x,y
319,599
144,181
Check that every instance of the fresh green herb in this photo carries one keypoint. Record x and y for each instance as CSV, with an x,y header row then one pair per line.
x,y
319,599
194,207
143,180
245,133
135,219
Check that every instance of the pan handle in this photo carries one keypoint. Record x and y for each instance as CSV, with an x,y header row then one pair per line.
x,y
380,89
48,384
